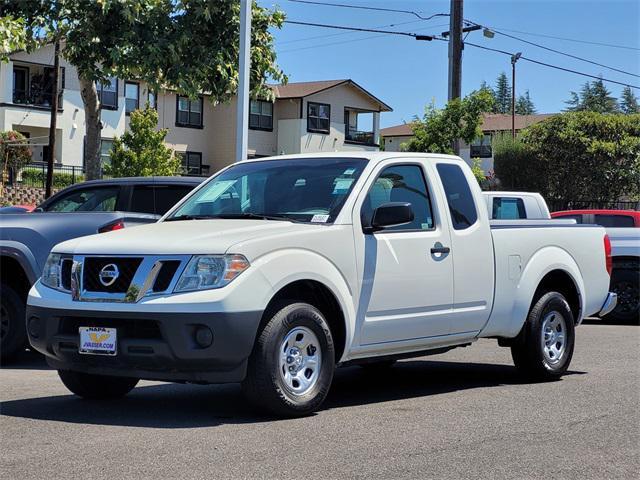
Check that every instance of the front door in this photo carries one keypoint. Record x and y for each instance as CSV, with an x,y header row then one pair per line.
x,y
407,277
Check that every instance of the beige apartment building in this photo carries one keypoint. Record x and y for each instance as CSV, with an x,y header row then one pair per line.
x,y
393,138
319,116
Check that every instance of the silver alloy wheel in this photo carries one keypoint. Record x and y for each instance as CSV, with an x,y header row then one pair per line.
x,y
300,359
554,337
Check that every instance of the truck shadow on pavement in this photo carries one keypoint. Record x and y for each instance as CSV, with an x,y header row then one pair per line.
x,y
191,406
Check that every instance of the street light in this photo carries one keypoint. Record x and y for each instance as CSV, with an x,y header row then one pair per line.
x,y
514,59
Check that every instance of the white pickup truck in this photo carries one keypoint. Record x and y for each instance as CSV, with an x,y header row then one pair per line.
x,y
277,270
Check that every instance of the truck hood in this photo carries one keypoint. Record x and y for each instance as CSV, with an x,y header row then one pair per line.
x,y
186,237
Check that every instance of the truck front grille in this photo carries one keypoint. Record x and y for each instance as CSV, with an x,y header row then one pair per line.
x,y
126,267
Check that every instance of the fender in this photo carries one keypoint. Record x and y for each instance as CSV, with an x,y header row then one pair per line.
x,y
509,319
285,266
23,256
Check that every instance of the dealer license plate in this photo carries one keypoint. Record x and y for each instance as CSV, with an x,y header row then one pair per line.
x,y
98,340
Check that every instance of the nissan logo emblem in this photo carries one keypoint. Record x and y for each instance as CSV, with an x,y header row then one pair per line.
x,y
109,274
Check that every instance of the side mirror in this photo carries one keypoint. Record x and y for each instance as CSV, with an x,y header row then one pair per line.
x,y
390,215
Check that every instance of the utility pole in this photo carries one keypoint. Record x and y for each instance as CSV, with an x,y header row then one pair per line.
x,y
242,120
455,56
53,121
514,59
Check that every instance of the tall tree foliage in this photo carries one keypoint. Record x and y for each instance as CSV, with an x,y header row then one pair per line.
x,y
524,105
459,119
502,92
593,97
574,157
187,45
629,101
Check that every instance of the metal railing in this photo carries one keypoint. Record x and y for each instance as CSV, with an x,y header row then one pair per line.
x,y
357,136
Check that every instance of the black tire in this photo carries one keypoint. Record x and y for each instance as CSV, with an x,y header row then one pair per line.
x,y
625,283
265,385
527,350
13,336
96,387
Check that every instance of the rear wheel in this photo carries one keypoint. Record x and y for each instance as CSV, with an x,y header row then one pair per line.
x,y
291,367
544,347
91,386
13,330
626,284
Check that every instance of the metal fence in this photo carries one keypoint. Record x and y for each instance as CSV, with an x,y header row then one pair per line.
x,y
556,206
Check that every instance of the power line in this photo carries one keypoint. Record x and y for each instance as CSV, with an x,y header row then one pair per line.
x,y
571,39
560,52
369,37
552,66
379,9
358,29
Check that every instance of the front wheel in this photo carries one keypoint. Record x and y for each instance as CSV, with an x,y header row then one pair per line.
x,y
544,347
96,387
13,331
291,367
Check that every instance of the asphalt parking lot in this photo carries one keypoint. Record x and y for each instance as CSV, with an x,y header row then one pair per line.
x,y
464,414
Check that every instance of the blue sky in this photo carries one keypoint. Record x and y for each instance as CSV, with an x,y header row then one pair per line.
x,y
407,74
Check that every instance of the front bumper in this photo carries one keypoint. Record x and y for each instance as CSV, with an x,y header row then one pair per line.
x,y
609,304
151,345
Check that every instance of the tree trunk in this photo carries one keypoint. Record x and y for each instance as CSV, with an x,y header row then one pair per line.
x,y
55,91
93,169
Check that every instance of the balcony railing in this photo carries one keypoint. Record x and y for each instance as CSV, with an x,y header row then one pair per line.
x,y
357,136
37,97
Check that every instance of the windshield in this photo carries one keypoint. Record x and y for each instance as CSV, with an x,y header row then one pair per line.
x,y
303,190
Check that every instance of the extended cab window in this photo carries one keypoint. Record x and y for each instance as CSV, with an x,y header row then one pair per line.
x,y
400,183
101,199
302,190
614,221
459,197
508,209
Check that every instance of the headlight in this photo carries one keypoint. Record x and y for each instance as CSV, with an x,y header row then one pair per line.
x,y
210,271
51,275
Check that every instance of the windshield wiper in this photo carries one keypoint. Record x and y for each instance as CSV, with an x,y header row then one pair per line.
x,y
189,217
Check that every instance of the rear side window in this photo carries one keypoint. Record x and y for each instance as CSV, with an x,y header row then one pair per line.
x,y
101,199
400,183
614,221
157,199
459,197
508,209
168,196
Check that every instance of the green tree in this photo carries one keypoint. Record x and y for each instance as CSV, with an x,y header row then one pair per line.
x,y
629,101
502,93
574,157
141,152
13,36
14,153
190,46
459,119
524,105
593,97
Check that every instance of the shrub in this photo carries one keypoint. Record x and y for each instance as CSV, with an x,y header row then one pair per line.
x,y
36,178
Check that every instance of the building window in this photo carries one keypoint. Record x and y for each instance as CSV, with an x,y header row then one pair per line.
x,y
481,147
191,162
108,94
189,112
261,115
318,117
105,151
20,84
131,97
152,99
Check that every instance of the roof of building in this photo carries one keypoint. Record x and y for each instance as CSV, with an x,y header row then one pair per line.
x,y
304,89
492,122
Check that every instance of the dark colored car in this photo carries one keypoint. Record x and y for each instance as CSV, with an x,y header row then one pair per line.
x,y
83,209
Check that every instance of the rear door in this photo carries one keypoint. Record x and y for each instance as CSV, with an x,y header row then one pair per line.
x,y
471,248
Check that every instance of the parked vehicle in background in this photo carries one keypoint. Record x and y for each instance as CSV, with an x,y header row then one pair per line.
x,y
516,205
623,228
278,269
82,209
17,209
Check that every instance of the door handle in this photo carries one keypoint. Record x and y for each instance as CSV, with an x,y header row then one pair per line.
x,y
440,249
